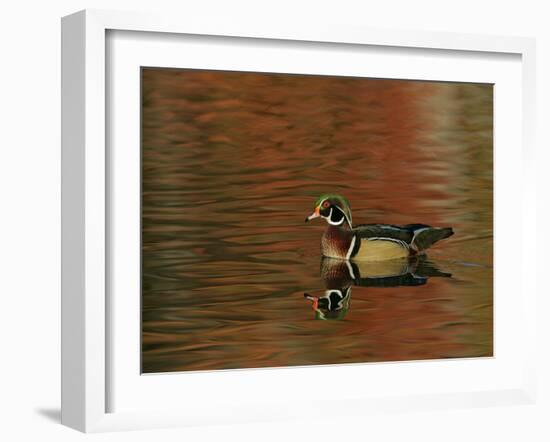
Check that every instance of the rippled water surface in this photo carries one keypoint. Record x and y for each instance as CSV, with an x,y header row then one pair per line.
x,y
231,165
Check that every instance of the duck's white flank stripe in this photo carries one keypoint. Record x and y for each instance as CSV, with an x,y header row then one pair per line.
x,y
350,250
398,241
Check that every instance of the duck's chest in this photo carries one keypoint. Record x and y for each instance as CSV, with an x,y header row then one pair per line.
x,y
336,242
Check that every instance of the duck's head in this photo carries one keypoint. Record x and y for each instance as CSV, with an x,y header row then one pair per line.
x,y
334,208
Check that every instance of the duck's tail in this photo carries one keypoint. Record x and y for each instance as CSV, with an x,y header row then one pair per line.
x,y
426,236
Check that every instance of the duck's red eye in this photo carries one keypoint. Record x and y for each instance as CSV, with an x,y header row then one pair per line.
x,y
326,204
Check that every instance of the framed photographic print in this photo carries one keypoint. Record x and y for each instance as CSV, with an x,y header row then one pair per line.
x,y
229,160
193,290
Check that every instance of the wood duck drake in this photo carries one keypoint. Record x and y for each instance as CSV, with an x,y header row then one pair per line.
x,y
370,242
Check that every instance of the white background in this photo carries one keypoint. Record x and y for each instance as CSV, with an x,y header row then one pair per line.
x,y
30,221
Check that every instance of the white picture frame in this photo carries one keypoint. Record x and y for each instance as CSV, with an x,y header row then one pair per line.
x,y
87,356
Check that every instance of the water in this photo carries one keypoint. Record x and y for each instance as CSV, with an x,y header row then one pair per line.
x,y
231,165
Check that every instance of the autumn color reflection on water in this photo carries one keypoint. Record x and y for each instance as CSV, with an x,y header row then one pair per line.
x,y
231,164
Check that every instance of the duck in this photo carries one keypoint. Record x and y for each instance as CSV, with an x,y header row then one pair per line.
x,y
370,242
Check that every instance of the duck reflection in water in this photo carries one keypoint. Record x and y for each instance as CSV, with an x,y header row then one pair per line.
x,y
340,276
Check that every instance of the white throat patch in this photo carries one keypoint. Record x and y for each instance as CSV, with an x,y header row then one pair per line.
x,y
328,218
337,223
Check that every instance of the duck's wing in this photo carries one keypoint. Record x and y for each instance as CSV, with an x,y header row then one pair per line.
x,y
418,236
385,231
426,236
